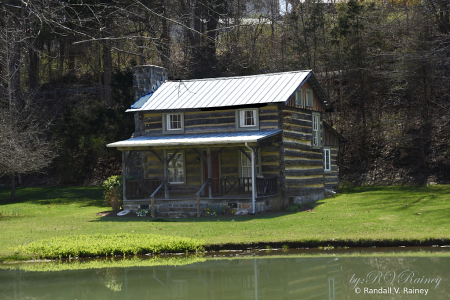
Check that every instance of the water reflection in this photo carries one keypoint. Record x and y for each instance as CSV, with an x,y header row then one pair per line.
x,y
258,278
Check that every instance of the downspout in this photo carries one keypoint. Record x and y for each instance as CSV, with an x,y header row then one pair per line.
x,y
253,177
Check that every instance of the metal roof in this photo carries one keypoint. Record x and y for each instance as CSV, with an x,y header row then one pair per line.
x,y
197,139
226,91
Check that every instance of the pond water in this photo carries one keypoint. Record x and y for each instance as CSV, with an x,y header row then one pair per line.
x,y
296,274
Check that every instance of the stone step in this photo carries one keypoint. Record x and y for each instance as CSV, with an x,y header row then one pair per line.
x,y
177,209
176,214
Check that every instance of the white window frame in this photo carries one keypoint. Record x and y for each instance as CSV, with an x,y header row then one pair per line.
x,y
258,166
309,98
240,119
166,123
182,168
315,130
327,159
299,98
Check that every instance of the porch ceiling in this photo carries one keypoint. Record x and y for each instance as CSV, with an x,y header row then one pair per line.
x,y
237,137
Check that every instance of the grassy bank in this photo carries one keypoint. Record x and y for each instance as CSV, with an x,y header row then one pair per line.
x,y
357,216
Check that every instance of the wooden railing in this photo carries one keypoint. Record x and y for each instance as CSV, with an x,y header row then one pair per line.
x,y
267,186
198,195
243,185
153,198
142,188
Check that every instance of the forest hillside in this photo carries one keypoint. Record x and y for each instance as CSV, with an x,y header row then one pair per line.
x,y
66,79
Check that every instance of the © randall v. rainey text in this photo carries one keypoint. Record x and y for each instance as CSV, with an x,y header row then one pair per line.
x,y
392,290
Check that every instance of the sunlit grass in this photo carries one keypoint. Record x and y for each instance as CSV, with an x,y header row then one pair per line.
x,y
357,216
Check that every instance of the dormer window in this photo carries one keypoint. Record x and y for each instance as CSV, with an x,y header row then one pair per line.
x,y
173,123
247,119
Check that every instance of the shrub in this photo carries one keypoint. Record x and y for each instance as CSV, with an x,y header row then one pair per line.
x,y
113,192
294,208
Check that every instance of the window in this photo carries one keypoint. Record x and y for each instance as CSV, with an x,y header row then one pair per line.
x,y
315,130
176,168
327,159
309,98
173,123
246,169
247,119
331,289
299,97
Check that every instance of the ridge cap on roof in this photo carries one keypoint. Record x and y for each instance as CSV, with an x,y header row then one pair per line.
x,y
238,77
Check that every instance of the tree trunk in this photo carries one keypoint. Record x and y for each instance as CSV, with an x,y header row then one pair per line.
x,y
107,66
13,187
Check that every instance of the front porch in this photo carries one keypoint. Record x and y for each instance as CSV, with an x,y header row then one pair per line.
x,y
191,171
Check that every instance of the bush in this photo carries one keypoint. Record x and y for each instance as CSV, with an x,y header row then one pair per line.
x,y
113,192
294,208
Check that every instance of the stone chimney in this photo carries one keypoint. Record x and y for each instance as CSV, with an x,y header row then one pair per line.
x,y
147,79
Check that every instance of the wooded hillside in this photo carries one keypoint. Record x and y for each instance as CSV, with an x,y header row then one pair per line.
x,y
385,65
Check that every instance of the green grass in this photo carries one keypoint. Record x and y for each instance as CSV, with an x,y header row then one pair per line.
x,y
357,216
116,244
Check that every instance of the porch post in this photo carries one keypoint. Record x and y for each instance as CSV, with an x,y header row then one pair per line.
x,y
253,176
166,175
124,175
208,161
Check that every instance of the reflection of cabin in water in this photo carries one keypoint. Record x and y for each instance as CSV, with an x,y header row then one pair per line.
x,y
237,141
224,279
258,279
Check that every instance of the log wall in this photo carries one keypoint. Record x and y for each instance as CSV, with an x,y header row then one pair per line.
x,y
332,178
303,164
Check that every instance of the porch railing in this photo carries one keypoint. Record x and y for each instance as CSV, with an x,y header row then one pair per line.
x,y
243,185
142,188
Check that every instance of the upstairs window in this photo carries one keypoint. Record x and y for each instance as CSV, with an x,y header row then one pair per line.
x,y
173,123
315,130
299,98
247,119
309,98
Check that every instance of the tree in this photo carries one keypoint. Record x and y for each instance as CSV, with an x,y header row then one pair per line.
x,y
24,145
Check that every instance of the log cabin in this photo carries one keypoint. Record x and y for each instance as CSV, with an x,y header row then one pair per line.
x,y
248,143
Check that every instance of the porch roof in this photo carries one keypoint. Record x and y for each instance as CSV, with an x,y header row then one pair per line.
x,y
197,139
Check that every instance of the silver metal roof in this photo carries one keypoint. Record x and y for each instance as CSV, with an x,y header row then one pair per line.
x,y
226,91
197,139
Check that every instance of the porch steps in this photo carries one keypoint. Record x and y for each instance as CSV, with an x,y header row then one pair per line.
x,y
177,212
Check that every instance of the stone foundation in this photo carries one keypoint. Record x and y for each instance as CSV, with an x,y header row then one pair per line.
x,y
173,208
308,198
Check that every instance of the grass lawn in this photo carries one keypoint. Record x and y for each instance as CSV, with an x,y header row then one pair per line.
x,y
357,215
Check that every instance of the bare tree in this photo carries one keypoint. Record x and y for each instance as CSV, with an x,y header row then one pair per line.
x,y
24,145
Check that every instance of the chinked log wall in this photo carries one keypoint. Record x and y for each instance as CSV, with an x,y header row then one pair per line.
x,y
332,178
303,164
331,141
211,121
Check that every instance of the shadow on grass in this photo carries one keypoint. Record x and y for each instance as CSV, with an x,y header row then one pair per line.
x,y
85,195
223,218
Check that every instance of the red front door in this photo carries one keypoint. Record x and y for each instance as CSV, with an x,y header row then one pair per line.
x,y
215,174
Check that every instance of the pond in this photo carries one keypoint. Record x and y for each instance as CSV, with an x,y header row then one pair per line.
x,y
400,273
